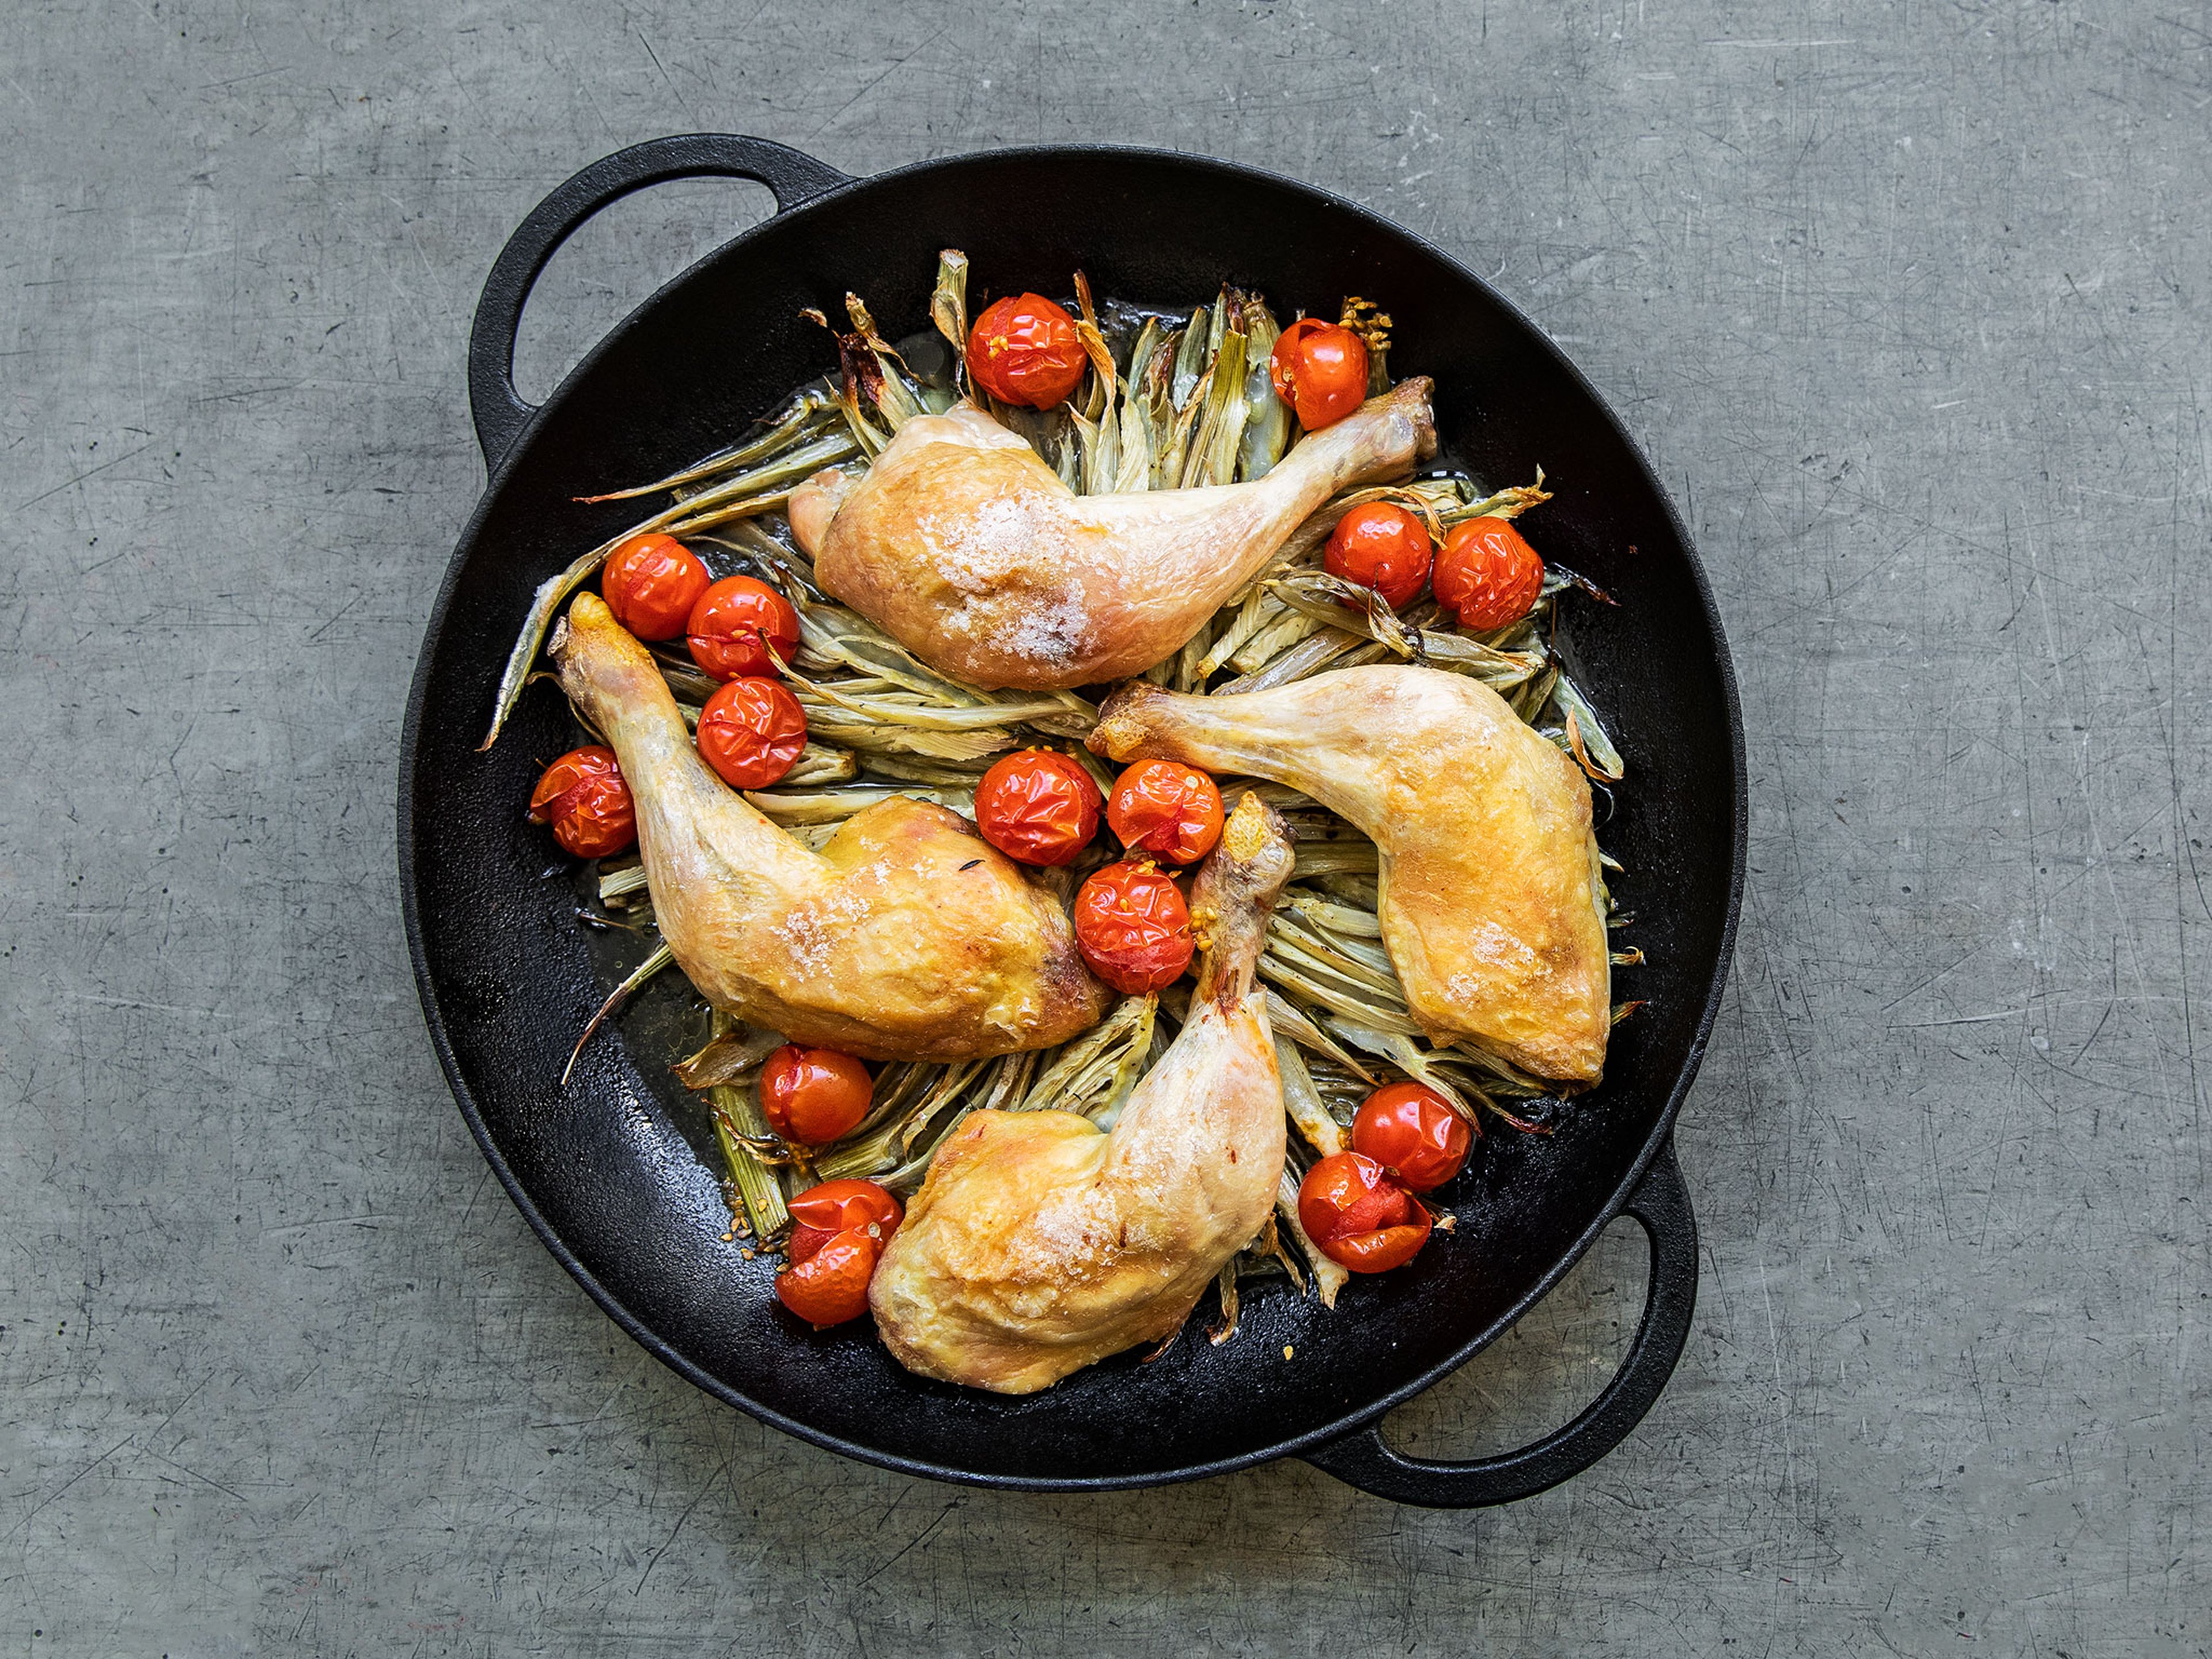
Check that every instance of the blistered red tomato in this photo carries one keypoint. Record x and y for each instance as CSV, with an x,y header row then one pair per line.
x,y
831,1285
651,582
583,796
813,1095
820,1213
1319,370
1361,1218
1037,807
735,623
1381,546
1488,573
750,732
1024,350
1411,1131
1167,809
1133,927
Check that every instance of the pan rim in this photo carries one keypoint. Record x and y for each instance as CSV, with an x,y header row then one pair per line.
x,y
661,1348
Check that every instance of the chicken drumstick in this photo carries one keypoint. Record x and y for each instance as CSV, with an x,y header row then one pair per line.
x,y
969,550
1038,1245
1489,882
906,937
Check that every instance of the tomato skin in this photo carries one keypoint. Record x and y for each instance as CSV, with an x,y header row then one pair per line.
x,y
586,799
751,732
1411,1131
651,582
1488,573
813,1095
1360,1218
1024,350
1167,809
1038,807
1381,546
1319,370
1133,927
831,1285
734,622
820,1213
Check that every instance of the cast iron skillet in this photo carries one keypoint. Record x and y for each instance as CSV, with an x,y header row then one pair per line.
x,y
603,1170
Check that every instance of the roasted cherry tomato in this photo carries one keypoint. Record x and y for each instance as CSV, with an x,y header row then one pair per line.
x,y
1319,370
651,582
1411,1131
1380,546
1133,927
583,796
1168,809
1488,574
813,1095
1037,807
820,1213
750,732
735,623
1361,1218
831,1285
1024,350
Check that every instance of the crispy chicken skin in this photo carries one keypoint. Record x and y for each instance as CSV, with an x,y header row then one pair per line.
x,y
968,549
908,936
1038,1245
1489,884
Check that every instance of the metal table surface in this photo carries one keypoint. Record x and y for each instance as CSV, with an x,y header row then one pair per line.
x,y
1908,305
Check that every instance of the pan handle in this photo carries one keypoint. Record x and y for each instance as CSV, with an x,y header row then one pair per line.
x,y
1661,1203
499,410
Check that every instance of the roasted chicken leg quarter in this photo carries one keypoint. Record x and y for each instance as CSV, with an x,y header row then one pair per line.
x,y
1038,1245
968,549
906,937
1490,891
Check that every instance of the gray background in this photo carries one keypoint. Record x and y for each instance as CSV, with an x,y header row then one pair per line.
x,y
1907,302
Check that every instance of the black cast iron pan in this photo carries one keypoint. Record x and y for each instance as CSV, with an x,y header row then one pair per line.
x,y
606,1170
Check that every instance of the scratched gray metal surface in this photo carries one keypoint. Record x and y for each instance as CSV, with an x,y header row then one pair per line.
x,y
1908,305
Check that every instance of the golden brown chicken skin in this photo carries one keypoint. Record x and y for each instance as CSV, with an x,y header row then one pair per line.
x,y
908,936
1490,889
1039,1245
972,553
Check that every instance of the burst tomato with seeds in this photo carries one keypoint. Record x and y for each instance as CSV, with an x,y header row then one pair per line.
x,y
1038,807
651,582
1412,1131
820,1213
831,1285
1320,369
1360,1218
752,731
1024,350
1133,927
814,1096
1381,546
1488,574
1167,809
583,796
740,627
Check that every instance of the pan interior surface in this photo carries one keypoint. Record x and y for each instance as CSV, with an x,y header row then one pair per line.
x,y
614,1169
